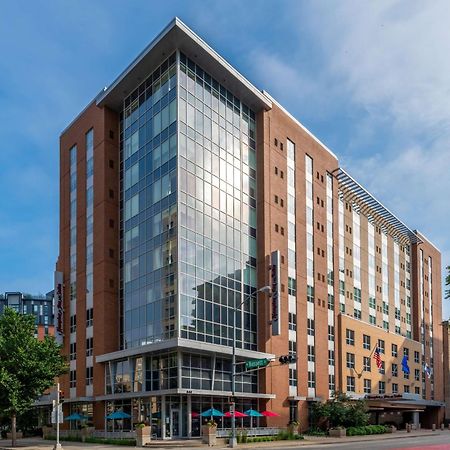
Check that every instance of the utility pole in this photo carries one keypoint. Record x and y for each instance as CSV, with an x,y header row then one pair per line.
x,y
57,445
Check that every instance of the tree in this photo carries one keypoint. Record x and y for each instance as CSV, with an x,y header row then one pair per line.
x,y
28,366
340,411
447,283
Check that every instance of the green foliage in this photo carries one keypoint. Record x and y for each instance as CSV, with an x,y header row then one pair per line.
x,y
368,429
340,411
95,440
281,436
315,431
27,366
447,283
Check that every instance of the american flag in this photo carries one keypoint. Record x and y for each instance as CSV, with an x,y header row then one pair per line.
x,y
377,357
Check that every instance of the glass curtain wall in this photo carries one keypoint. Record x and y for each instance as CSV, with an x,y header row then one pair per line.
x,y
149,209
217,207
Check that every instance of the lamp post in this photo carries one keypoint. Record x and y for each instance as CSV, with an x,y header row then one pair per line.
x,y
233,440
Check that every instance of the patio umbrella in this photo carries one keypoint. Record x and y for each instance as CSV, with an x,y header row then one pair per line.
x,y
211,412
237,414
118,415
195,414
253,413
270,414
75,416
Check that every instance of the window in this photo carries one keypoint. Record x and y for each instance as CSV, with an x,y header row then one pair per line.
x,y
311,353
73,379
357,314
350,384
89,317
331,382
406,388
417,374
367,386
366,364
386,325
310,293
73,324
292,286
366,341
89,346
350,337
381,387
416,357
310,327
385,308
89,375
417,390
406,352
350,360
394,350
372,319
394,388
293,348
381,345
311,379
394,370
372,302
293,321
383,366
331,357
330,332
73,351
292,377
406,376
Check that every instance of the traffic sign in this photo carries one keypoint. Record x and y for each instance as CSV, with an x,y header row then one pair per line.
x,y
256,363
60,414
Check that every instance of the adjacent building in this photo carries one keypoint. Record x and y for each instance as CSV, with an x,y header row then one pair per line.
x,y
40,306
184,191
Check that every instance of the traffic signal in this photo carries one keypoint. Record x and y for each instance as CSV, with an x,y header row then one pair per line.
x,y
61,396
287,359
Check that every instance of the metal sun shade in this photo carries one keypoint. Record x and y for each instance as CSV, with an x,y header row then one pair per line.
x,y
352,190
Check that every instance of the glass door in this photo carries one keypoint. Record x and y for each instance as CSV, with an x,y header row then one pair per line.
x,y
175,423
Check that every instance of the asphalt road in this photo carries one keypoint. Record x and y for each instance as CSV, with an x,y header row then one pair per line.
x,y
436,442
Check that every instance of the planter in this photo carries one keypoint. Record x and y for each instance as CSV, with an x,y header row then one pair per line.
x,y
293,428
47,431
209,435
19,435
337,432
391,429
143,436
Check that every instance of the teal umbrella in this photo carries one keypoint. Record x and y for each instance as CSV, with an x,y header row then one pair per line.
x,y
253,413
211,412
75,416
118,415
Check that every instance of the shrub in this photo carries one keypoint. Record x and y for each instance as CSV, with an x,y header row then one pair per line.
x,y
368,429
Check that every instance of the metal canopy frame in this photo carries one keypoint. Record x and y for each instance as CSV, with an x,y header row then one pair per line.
x,y
370,206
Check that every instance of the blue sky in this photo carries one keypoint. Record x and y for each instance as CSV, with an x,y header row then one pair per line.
x,y
370,79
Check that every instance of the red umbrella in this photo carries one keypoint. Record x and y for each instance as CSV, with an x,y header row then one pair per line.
x,y
195,414
236,414
270,414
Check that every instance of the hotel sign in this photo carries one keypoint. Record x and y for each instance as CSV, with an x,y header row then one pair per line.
x,y
276,292
59,307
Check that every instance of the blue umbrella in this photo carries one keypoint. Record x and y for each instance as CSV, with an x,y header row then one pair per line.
x,y
75,416
253,413
118,415
211,412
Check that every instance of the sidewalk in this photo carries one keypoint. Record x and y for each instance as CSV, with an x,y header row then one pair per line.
x,y
40,444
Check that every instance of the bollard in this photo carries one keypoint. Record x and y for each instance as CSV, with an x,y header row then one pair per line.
x,y
408,428
442,426
433,427
420,426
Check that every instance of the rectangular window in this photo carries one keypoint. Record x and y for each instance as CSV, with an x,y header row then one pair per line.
x,y
350,384
73,324
293,321
89,317
372,319
311,353
366,364
366,342
292,286
350,360
331,357
416,357
350,337
367,386
331,382
394,350
73,379
89,376
394,388
381,387
310,327
394,370
311,379
330,332
381,345
89,346
73,351
406,388
292,377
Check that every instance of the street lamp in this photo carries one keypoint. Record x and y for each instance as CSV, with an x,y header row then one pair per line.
x,y
264,290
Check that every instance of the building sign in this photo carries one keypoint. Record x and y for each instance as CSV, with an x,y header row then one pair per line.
x,y
59,307
276,292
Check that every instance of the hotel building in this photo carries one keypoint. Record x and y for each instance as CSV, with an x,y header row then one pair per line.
x,y
184,191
